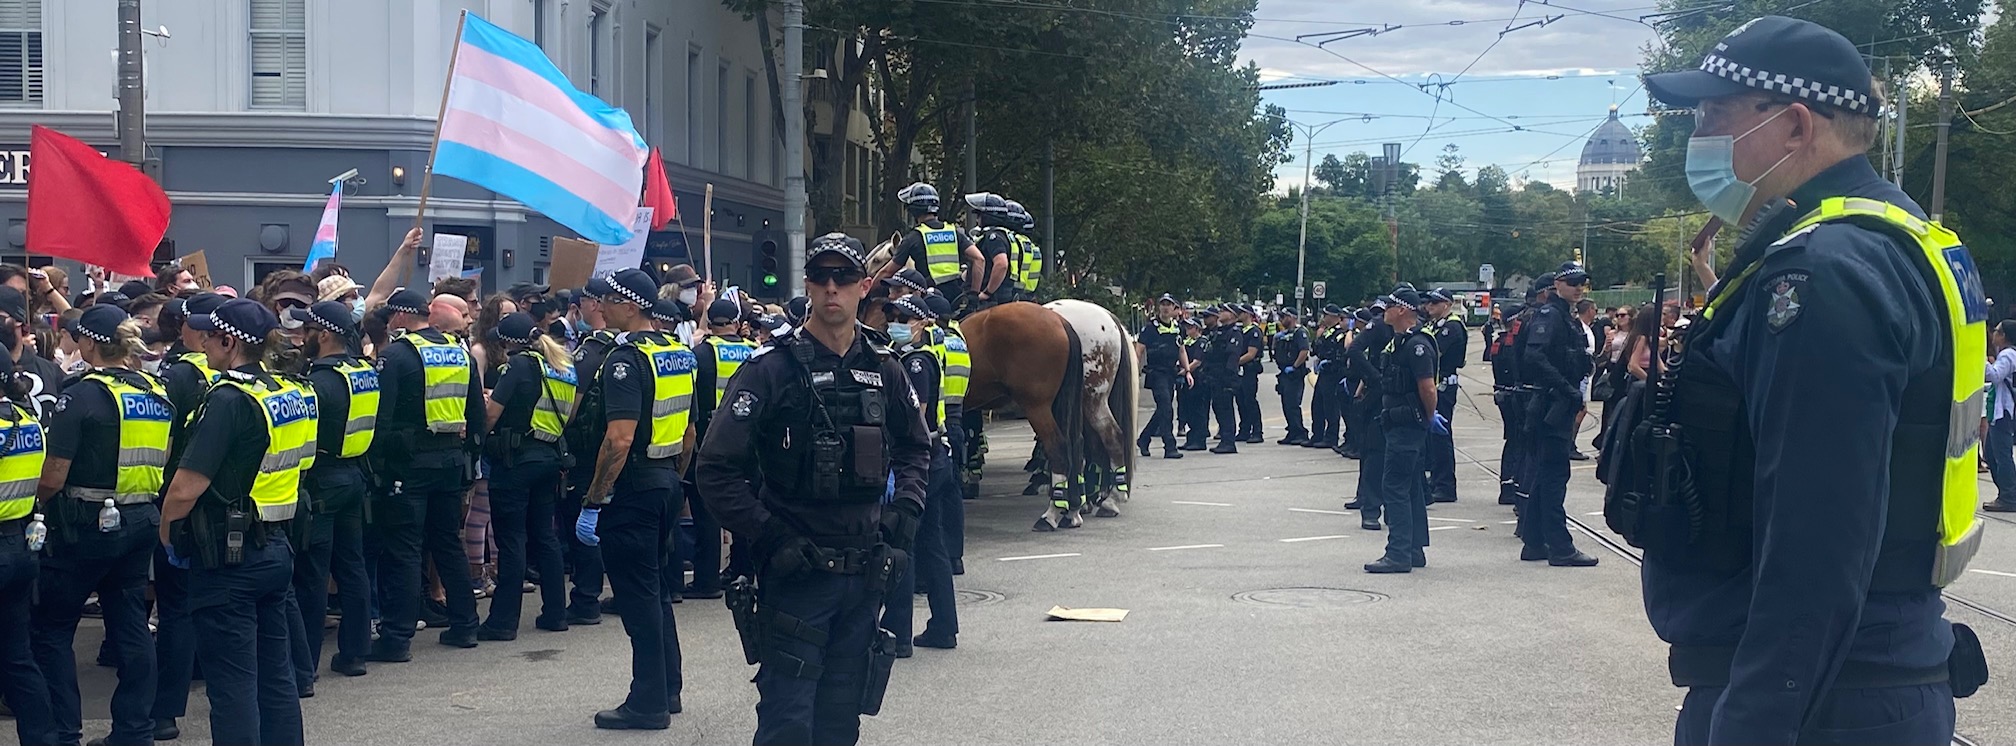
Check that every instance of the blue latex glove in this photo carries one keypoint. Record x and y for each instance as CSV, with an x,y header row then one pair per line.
x,y
174,559
584,527
1439,425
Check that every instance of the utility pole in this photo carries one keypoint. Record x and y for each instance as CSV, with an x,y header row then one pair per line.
x,y
972,143
794,139
1939,155
1050,206
1903,99
133,91
1302,243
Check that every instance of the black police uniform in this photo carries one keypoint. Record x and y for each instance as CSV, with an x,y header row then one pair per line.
x,y
525,487
1249,383
1228,344
240,610
1162,376
1366,434
1193,403
1511,402
336,490
1289,346
993,241
584,438
910,252
1410,359
793,469
1326,349
80,560
175,635
931,566
428,474
21,682
1452,340
706,546
1553,355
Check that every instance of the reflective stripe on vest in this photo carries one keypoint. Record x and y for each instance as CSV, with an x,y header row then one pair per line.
x,y
955,364
202,363
1966,329
1031,273
362,426
941,252
21,463
555,406
672,366
144,417
729,355
290,444
446,367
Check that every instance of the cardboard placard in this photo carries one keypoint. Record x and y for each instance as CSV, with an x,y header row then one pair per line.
x,y
199,268
573,262
446,261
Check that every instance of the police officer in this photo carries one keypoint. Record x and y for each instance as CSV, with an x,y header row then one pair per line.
x,y
932,560
720,356
186,374
632,502
584,602
1327,353
957,363
226,515
108,437
1025,264
527,416
23,532
1193,400
1368,439
1407,414
995,238
1552,357
1164,365
1248,395
935,247
1838,499
1290,350
1452,341
1510,397
346,400
836,422
1228,354
434,412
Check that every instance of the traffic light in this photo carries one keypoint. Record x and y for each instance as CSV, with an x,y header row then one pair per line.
x,y
766,264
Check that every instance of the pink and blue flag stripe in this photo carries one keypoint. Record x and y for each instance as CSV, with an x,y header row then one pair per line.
x,y
325,234
515,126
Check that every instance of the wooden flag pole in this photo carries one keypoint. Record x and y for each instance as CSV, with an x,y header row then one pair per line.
x,y
427,179
707,234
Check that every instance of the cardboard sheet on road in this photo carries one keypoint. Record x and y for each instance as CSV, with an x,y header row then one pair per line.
x,y
1064,614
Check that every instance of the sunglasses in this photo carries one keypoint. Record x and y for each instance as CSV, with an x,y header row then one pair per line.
x,y
834,275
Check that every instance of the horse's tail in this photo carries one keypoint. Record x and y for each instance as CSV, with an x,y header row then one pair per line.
x,y
1125,399
1067,407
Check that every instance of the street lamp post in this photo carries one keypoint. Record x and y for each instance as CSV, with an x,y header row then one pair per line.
x,y
1308,167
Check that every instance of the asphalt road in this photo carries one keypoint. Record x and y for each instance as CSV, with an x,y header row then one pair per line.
x,y
1250,622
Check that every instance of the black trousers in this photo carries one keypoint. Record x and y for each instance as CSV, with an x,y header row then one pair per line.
x,y
1222,402
20,678
636,533
1324,410
242,616
1195,409
1290,386
114,565
175,639
1406,508
1249,403
1355,418
1441,457
1544,523
584,600
1162,386
808,693
1371,444
425,515
1512,458
522,499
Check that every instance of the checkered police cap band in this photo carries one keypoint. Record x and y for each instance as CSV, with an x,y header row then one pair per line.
x,y
227,328
631,295
514,340
909,305
1811,90
92,335
330,325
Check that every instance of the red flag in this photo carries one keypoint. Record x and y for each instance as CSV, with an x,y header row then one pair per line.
x,y
658,193
84,206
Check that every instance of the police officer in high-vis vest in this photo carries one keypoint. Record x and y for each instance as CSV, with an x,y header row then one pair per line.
x,y
108,440
186,374
433,416
815,431
720,355
527,413
346,401
1026,268
957,363
23,533
631,507
911,333
584,602
1826,407
935,247
226,516
1164,366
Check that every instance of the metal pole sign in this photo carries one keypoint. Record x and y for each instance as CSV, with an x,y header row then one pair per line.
x,y
1298,293
1319,287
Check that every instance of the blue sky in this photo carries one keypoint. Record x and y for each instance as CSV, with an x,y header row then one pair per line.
x,y
1556,81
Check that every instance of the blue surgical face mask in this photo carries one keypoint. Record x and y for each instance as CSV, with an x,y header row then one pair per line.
x,y
1711,174
356,310
899,333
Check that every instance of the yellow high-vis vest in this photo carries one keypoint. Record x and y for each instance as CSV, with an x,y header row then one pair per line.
x,y
954,362
729,355
289,410
361,427
941,252
21,458
556,400
672,367
447,381
144,418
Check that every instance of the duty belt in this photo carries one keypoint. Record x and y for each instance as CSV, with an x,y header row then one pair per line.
x,y
1708,665
98,495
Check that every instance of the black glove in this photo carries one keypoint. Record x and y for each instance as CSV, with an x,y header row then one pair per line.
x,y
899,524
786,553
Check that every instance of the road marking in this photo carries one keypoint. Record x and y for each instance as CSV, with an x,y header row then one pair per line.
x,y
1508,523
1313,538
1995,572
1584,466
1595,513
1186,546
1442,528
1325,512
1187,502
1038,556
1452,520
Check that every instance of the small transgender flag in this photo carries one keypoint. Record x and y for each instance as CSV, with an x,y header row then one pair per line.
x,y
325,234
515,126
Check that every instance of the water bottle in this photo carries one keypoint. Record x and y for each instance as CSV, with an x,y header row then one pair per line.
x,y
108,517
38,533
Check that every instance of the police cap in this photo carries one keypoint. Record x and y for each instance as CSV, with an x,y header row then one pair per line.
x,y
329,314
517,328
248,320
633,286
669,311
99,323
1438,295
723,311
842,244
938,305
1404,296
1781,56
404,300
909,278
1331,309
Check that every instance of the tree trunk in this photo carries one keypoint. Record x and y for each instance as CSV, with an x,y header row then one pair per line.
x,y
770,72
828,190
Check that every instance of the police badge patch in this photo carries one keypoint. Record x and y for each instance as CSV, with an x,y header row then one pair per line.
x,y
1785,305
619,371
917,365
743,406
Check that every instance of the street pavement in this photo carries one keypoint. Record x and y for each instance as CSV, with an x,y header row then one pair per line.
x,y
1250,622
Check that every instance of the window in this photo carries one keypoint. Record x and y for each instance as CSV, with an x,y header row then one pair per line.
x,y
861,185
539,25
850,184
598,45
654,67
693,107
279,54
749,126
721,127
20,51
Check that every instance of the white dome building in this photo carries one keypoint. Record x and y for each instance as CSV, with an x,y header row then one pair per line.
x,y
1610,155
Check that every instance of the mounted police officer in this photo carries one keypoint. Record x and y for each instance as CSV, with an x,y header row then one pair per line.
x,y
1407,414
1290,350
935,247
346,399
1797,569
1452,340
1326,353
226,516
1026,263
998,245
1553,355
631,506
817,430
1164,364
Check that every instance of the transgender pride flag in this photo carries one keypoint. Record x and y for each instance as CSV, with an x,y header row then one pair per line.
x,y
515,126
325,234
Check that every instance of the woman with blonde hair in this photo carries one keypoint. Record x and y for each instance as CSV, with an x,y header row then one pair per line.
x,y
528,412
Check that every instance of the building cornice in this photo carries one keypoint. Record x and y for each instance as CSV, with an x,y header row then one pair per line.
x,y
259,129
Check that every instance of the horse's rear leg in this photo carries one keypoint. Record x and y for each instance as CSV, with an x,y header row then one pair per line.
x,y
1111,441
1063,509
